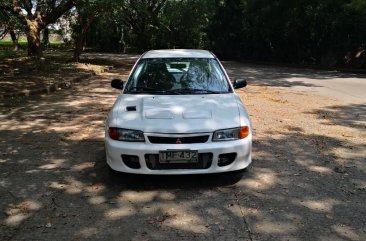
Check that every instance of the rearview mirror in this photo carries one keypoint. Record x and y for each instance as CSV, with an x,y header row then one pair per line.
x,y
117,84
239,83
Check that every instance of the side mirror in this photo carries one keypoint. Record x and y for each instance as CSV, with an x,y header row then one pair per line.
x,y
239,83
117,84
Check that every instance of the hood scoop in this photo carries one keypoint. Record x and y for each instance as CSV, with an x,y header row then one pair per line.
x,y
159,114
203,114
166,114
179,107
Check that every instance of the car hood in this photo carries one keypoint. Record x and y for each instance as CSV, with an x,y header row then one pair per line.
x,y
175,114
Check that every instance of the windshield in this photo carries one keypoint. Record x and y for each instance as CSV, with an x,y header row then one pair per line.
x,y
178,76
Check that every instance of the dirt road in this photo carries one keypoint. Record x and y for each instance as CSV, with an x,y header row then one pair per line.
x,y
307,180
349,88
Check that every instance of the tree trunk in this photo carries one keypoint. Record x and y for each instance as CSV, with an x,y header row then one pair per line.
x,y
81,38
45,40
122,43
14,38
34,39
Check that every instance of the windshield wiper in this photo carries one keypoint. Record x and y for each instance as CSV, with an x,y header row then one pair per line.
x,y
196,90
140,88
149,90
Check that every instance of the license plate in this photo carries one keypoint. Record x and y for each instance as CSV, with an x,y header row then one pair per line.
x,y
178,156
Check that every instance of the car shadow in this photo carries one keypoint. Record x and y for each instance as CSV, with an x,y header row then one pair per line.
x,y
125,181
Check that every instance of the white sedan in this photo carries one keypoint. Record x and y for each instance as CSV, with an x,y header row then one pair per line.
x,y
178,113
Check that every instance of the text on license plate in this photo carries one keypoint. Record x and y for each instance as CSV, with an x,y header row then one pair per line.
x,y
178,156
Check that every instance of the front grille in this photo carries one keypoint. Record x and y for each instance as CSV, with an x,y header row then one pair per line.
x,y
204,162
178,140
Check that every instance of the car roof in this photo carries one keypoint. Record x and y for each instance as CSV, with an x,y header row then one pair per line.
x,y
178,53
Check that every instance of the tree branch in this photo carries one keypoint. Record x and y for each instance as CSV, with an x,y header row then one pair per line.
x,y
58,11
39,5
15,10
3,34
27,5
16,7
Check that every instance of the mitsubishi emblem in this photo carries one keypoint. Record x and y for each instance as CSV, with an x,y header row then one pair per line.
x,y
178,141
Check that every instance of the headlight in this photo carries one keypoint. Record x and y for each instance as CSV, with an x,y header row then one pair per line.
x,y
121,134
231,134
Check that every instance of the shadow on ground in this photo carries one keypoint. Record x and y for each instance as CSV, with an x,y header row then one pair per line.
x,y
353,115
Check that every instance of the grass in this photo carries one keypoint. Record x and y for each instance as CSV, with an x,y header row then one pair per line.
x,y
6,51
9,43
23,44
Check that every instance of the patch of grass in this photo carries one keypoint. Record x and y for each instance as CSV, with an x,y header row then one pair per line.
x,y
57,44
9,43
53,51
24,43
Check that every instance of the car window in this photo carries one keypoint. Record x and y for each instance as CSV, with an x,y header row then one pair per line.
x,y
178,76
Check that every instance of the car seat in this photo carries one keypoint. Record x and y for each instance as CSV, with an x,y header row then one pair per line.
x,y
156,76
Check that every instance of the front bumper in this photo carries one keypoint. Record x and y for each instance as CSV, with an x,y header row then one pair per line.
x,y
115,150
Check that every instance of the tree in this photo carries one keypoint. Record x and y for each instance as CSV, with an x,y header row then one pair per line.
x,y
228,27
9,24
172,24
143,17
313,32
35,15
109,33
87,11
46,39
84,22
184,24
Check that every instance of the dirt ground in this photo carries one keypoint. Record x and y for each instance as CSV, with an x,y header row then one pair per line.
x,y
22,73
307,180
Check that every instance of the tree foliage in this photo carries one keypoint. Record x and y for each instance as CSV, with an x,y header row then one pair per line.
x,y
326,32
148,24
307,31
183,24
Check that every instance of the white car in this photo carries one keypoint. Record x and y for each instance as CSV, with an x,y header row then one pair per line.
x,y
178,114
